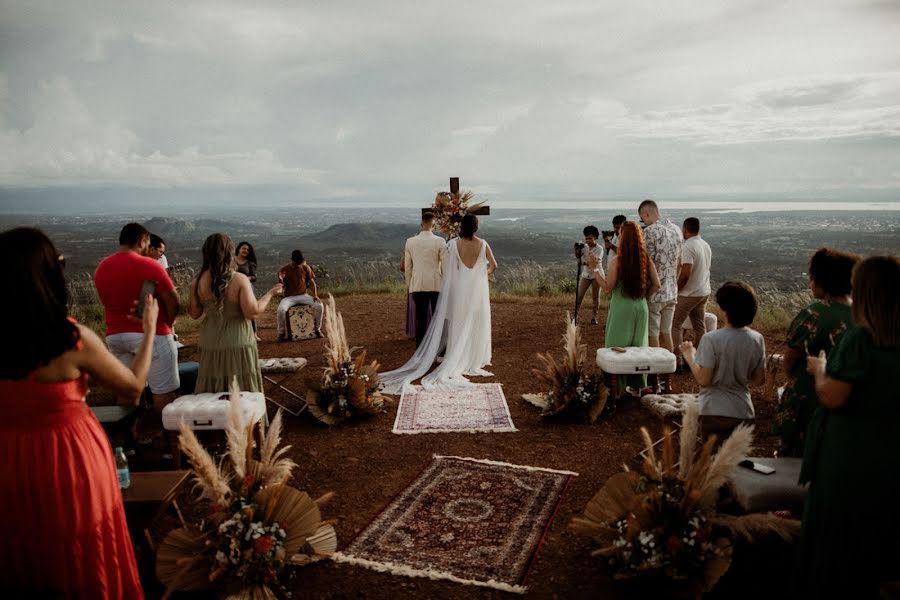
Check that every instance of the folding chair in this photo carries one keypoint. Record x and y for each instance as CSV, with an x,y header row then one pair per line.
x,y
667,406
278,371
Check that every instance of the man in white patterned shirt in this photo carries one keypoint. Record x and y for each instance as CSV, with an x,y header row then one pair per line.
x,y
663,239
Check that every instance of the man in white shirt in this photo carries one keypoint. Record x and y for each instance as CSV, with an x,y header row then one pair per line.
x,y
611,243
157,250
663,239
423,265
693,283
588,276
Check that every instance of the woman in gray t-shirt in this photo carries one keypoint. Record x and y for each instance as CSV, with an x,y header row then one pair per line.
x,y
728,362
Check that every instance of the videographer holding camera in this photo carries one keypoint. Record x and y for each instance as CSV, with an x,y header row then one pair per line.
x,y
586,279
611,238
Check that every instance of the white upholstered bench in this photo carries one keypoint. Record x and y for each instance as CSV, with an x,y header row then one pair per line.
x,y
667,406
711,321
208,411
755,492
635,360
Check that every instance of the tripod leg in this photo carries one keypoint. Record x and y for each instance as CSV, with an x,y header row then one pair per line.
x,y
577,291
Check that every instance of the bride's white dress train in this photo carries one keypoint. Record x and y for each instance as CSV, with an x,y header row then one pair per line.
x,y
460,326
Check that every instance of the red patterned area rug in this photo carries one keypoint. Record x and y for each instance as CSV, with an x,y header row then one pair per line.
x,y
474,408
477,522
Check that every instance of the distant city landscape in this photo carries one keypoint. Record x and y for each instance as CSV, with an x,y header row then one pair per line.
x,y
769,248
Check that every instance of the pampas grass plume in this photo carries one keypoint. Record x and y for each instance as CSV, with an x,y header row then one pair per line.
x,y
732,451
213,484
235,431
690,425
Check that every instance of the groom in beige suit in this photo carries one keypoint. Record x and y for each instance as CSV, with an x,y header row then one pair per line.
x,y
423,266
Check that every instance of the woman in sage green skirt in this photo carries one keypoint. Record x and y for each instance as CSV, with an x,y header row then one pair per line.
x,y
225,301
631,280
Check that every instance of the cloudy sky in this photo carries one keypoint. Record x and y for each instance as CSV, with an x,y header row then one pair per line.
x,y
337,99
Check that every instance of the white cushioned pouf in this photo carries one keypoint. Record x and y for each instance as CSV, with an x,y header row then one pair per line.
x,y
208,411
711,320
776,362
635,361
270,366
666,406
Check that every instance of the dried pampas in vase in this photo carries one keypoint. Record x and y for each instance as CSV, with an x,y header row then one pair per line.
x,y
258,526
662,523
350,387
572,390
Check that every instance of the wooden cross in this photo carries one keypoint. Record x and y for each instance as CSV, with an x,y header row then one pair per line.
x,y
454,191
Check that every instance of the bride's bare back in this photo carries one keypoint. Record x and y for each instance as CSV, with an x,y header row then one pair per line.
x,y
470,249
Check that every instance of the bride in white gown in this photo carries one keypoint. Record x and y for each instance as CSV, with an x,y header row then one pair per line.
x,y
461,324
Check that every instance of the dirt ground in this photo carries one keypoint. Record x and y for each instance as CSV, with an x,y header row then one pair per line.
x,y
366,465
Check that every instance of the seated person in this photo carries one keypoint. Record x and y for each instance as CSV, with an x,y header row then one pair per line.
x,y
299,288
727,362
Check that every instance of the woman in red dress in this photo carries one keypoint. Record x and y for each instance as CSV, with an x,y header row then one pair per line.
x,y
62,521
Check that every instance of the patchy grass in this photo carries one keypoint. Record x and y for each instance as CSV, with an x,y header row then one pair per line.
x,y
516,282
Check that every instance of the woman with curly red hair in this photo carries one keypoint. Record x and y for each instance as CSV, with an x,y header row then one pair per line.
x,y
632,278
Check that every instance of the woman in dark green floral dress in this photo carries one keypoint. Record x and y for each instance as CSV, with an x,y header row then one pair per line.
x,y
850,540
817,327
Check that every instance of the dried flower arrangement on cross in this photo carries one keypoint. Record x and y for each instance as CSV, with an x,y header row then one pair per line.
x,y
349,387
258,527
450,207
663,524
572,390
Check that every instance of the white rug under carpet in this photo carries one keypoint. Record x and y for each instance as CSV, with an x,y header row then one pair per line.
x,y
476,408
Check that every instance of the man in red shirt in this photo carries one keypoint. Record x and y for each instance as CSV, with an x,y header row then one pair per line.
x,y
119,279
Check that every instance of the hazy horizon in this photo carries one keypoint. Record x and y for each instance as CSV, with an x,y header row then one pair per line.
x,y
163,202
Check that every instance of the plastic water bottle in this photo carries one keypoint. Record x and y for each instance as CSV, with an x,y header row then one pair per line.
x,y
122,468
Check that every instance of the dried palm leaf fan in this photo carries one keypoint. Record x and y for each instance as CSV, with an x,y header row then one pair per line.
x,y
349,387
572,389
661,523
257,525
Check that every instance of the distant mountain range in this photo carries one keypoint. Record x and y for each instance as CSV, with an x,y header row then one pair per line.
x,y
363,233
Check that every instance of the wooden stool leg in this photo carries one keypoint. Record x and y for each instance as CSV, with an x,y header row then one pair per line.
x,y
175,445
666,382
178,512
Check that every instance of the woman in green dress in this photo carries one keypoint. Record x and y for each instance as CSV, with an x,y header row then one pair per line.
x,y
225,301
817,327
632,278
850,540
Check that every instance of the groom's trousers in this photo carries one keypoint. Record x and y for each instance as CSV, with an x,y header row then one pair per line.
x,y
423,301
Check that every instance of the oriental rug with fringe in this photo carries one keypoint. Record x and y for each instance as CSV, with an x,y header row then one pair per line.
x,y
477,522
475,408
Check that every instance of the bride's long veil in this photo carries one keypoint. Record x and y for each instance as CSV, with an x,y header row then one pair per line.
x,y
460,326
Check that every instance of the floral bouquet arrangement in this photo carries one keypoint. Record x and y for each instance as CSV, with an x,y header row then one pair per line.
x,y
258,528
449,209
662,524
572,390
349,387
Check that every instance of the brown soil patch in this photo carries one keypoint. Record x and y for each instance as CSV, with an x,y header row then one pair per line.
x,y
366,465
